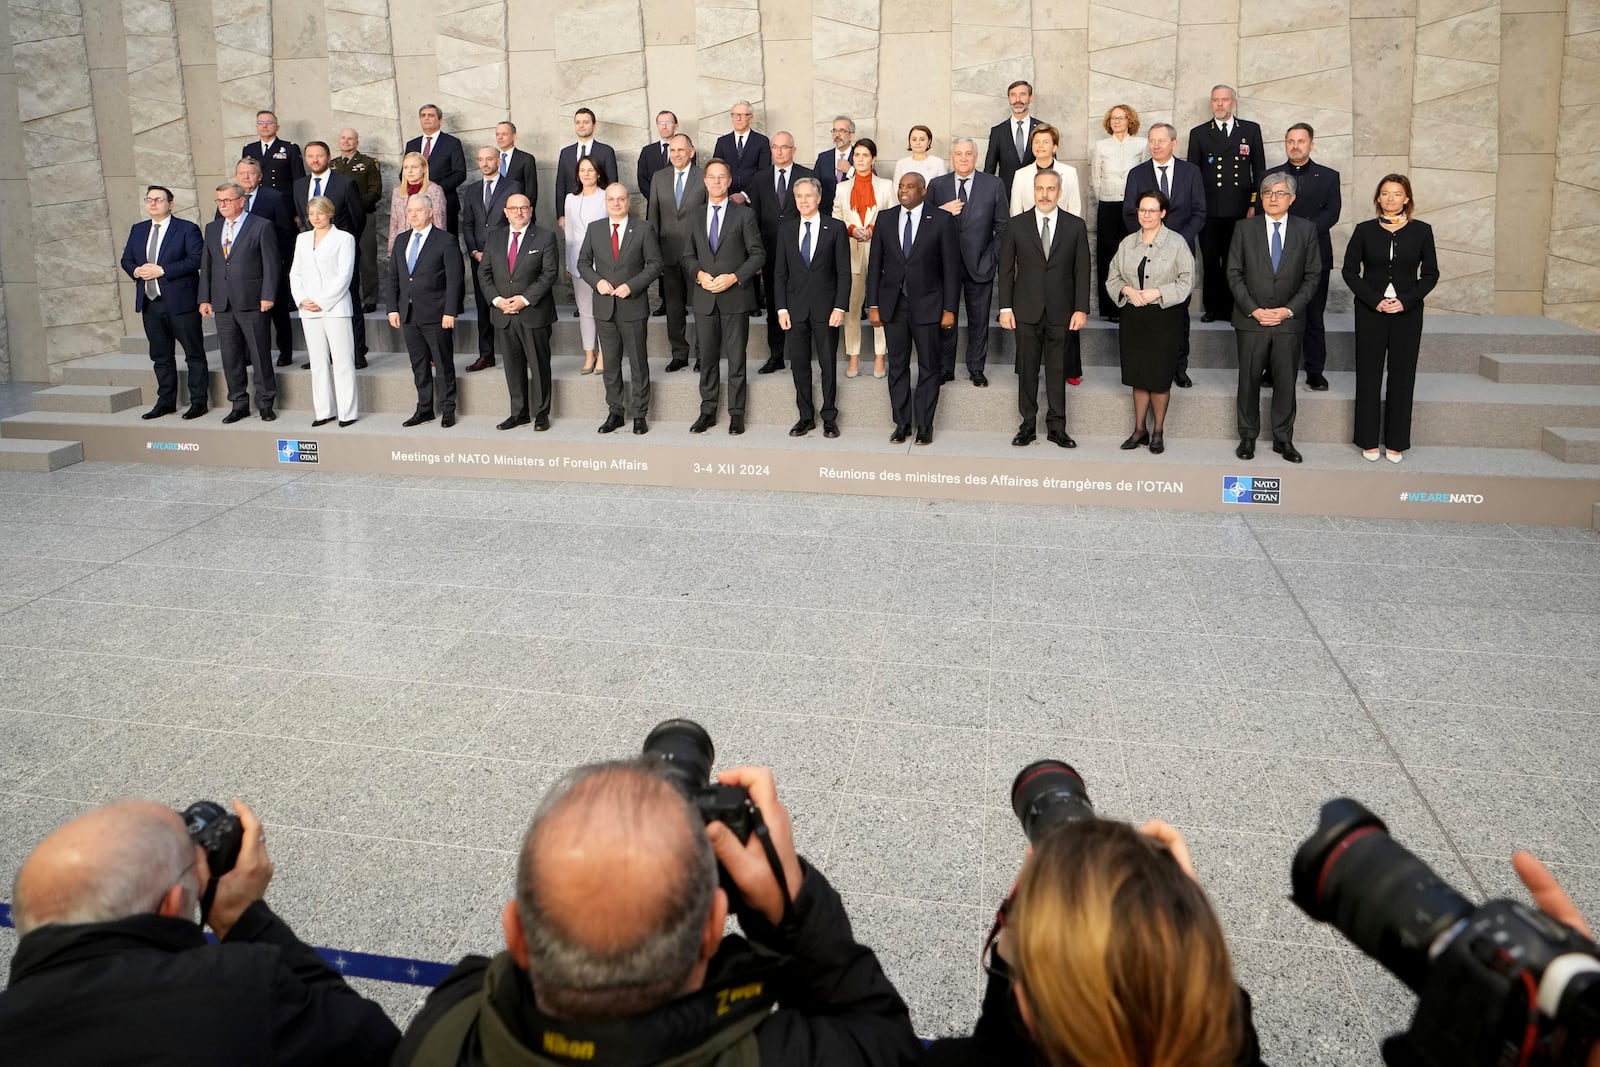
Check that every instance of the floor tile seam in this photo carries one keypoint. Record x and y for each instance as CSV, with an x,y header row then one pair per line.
x,y
1372,721
976,909
1438,648
483,849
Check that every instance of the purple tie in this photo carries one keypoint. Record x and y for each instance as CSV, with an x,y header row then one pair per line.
x,y
716,228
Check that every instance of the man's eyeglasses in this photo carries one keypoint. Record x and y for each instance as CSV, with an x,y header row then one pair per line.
x,y
155,200
1276,194
228,199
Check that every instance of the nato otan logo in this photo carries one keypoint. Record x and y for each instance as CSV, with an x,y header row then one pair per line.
x,y
297,451
1241,490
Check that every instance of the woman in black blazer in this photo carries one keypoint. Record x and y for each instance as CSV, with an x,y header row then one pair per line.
x,y
1390,266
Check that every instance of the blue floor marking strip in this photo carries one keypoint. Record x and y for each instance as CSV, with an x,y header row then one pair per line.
x,y
354,964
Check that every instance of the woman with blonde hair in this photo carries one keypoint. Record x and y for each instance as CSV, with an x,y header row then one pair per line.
x,y
413,180
319,280
1109,955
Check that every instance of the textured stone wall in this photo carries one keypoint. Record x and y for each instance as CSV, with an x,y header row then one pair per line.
x,y
361,86
244,74
1572,273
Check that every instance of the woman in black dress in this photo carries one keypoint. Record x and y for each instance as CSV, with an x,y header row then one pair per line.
x,y
1150,278
1389,265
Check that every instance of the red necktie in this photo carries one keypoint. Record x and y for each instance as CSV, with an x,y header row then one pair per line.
x,y
427,146
616,246
511,260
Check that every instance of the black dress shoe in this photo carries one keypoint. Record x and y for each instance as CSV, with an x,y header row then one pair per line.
x,y
696,364
1158,443
1114,317
1182,380
268,415
830,428
901,432
512,422
703,423
542,423
346,422
924,436
801,428
980,381
1208,317
1266,380
1135,440
1246,449
612,424
158,411
418,419
659,312
949,376
1316,383
1287,450
1061,439
1024,438
677,364
736,424
447,420
234,416
321,422
367,309
284,361
195,411
773,364
361,363
640,426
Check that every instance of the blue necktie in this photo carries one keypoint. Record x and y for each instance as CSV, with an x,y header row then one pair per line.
x,y
1277,246
905,241
317,188
805,245
678,195
411,256
716,228
505,163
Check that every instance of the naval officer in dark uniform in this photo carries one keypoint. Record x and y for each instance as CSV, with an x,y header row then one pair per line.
x,y
1232,163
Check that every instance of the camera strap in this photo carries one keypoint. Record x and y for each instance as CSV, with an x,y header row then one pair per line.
x,y
765,837
207,898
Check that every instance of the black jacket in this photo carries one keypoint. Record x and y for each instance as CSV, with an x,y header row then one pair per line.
x,y
150,990
1375,258
835,1007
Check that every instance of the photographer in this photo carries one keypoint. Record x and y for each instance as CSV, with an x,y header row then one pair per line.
x,y
1109,955
615,951
111,964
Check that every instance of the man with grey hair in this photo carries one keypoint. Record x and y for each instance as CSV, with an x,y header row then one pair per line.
x,y
614,939
1232,161
833,164
981,209
112,962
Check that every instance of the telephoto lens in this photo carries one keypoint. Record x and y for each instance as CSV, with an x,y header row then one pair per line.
x,y
217,832
1046,794
685,751
1375,892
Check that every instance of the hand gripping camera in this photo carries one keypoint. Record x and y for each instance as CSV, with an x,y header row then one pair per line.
x,y
1497,985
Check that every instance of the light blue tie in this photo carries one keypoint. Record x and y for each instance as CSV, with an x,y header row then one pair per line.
x,y
411,255
678,196
805,245
505,163
317,188
1277,246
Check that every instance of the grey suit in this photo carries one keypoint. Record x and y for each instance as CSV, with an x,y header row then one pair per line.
x,y
673,223
621,321
1254,285
979,227
234,285
722,320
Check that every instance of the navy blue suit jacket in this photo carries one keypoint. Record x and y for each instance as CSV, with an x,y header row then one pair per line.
x,y
424,296
828,177
757,156
239,281
277,209
179,256
980,224
1187,215
567,170
931,276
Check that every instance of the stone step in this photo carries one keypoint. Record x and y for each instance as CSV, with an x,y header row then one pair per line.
x,y
36,456
1552,369
101,398
1573,444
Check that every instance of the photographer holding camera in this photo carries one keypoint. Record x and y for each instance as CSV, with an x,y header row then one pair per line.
x,y
615,947
111,964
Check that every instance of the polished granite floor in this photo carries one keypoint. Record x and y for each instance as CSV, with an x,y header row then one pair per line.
x,y
392,670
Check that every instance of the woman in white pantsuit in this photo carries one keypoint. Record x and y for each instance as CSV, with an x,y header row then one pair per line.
x,y
324,258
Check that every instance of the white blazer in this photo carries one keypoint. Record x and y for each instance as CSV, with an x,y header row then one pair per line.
x,y
884,190
1022,189
322,272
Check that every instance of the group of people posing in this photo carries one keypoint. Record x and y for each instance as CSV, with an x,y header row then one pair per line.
x,y
821,248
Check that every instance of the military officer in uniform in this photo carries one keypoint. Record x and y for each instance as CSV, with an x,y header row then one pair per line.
x,y
1232,163
363,170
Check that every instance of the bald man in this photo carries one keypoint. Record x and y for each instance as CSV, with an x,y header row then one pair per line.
x,y
111,956
618,912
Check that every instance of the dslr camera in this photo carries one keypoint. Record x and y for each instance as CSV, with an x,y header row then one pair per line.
x,y
1048,793
1499,984
686,754
217,832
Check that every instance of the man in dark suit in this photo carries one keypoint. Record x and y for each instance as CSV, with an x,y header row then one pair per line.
x,y
1011,141
725,253
1044,296
483,211
810,266
423,292
277,209
1229,153
519,274
772,195
238,283
981,208
744,149
163,258
913,287
348,215
280,160
1273,269
516,164
676,205
604,155
1317,198
447,161
1183,187
619,259
657,155
834,165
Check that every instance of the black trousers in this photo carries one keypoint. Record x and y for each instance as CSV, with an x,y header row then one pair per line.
x,y
526,350
1259,349
675,297
427,343
480,298
719,335
247,342
804,340
1314,350
1058,350
776,335
358,318
1399,338
1108,234
162,328
1215,236
900,334
279,321
977,296
626,339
